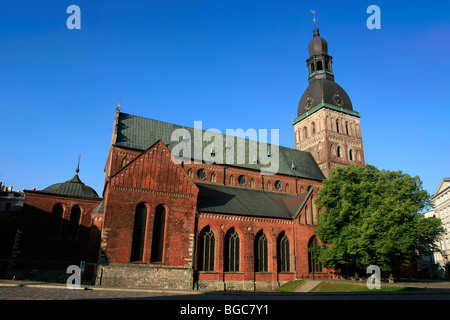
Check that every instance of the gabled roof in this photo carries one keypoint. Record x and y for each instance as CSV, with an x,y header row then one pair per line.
x,y
444,185
213,198
140,133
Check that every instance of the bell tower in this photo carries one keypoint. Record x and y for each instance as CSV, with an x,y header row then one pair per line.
x,y
326,124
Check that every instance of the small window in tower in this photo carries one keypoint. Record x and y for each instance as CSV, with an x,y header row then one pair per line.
x,y
337,125
312,68
346,127
350,155
339,152
319,65
313,130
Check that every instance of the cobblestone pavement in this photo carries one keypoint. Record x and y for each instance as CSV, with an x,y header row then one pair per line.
x,y
21,290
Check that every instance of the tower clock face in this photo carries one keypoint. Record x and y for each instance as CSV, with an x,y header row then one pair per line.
x,y
338,100
309,103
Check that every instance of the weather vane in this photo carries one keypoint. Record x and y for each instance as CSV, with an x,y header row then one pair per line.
x,y
78,167
314,15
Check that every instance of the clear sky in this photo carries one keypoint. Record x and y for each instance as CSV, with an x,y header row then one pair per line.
x,y
230,63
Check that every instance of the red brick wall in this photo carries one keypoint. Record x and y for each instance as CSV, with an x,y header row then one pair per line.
x,y
152,178
37,249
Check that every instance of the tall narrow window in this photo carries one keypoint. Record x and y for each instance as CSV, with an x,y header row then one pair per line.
x,y
252,183
55,221
283,253
314,265
339,152
346,128
350,155
231,180
307,215
261,253
231,257
213,177
74,221
314,211
337,125
158,234
313,128
305,132
137,244
206,250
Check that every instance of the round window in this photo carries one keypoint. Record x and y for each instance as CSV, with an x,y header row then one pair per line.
x,y
278,185
242,180
201,174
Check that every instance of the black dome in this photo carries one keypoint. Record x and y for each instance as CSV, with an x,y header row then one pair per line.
x,y
324,90
317,45
72,188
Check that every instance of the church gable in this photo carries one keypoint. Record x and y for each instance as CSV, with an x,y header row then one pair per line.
x,y
153,171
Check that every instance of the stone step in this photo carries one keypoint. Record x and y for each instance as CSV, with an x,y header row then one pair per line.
x,y
308,286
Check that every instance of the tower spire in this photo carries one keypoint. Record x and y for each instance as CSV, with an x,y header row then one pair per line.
x,y
78,167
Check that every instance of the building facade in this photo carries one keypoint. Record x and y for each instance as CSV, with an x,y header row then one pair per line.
x,y
181,213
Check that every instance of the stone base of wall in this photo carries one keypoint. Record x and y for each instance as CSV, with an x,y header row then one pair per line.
x,y
149,276
237,285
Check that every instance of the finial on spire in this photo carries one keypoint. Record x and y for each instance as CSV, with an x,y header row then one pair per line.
x,y
78,167
314,15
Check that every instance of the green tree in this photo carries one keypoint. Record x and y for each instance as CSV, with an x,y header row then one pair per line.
x,y
372,217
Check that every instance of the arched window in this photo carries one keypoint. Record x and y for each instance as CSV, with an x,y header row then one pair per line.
x,y
74,221
358,155
288,189
261,253
305,132
333,150
213,177
313,128
206,250
314,265
190,173
231,180
252,183
283,253
346,128
231,257
158,234
337,125
269,186
137,244
307,215
55,221
339,152
350,155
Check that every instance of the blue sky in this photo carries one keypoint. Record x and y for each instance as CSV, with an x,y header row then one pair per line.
x,y
230,64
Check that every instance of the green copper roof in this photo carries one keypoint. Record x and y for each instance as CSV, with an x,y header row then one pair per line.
x,y
71,188
325,105
140,133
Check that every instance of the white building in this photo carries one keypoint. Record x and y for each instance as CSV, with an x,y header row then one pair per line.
x,y
441,200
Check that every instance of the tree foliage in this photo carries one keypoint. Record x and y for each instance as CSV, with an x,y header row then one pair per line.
x,y
372,217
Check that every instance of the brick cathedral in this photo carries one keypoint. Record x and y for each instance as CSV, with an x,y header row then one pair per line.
x,y
191,224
